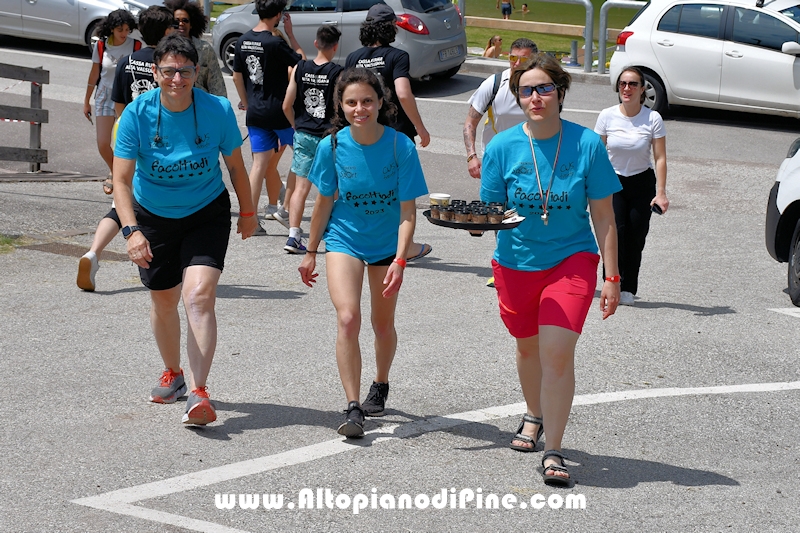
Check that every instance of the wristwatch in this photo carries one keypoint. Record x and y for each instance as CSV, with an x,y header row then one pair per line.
x,y
127,231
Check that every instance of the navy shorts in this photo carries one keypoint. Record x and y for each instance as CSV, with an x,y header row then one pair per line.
x,y
198,239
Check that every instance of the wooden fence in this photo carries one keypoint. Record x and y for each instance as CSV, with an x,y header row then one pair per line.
x,y
34,115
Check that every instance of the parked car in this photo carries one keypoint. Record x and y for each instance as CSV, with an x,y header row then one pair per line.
x,y
431,31
724,54
783,219
61,21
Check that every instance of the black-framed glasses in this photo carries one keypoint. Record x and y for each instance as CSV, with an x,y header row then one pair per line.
x,y
631,84
183,20
526,91
169,72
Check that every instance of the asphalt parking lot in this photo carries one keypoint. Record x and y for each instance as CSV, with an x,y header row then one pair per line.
x,y
684,416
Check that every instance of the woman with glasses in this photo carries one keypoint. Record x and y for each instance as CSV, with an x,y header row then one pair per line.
x,y
191,23
494,47
629,130
175,212
545,270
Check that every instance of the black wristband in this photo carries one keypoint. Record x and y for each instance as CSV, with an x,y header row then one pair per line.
x,y
311,251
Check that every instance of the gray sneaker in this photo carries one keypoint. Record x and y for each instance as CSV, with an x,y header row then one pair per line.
x,y
200,409
376,399
171,386
353,426
282,216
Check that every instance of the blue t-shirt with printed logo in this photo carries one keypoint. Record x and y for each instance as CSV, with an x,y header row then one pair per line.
x,y
372,181
583,173
177,176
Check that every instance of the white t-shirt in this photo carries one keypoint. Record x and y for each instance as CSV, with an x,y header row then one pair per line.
x,y
505,111
111,57
628,139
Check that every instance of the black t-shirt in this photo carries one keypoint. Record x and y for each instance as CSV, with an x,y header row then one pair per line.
x,y
390,63
134,76
313,103
263,60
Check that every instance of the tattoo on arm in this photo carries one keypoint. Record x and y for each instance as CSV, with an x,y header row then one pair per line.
x,y
470,127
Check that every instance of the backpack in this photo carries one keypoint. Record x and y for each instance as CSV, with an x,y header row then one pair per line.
x,y
101,49
495,88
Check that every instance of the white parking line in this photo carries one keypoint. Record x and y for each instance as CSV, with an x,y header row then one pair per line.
x,y
121,501
791,311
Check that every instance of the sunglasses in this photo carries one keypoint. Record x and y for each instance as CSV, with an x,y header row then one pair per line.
x,y
513,58
631,84
182,21
526,91
169,72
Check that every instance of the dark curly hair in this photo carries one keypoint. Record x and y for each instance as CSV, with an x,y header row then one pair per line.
x,y
352,76
382,33
197,19
115,19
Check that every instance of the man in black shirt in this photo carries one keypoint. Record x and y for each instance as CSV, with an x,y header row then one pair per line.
x,y
134,73
261,74
377,33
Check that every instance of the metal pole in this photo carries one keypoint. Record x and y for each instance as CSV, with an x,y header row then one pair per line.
x,y
36,129
207,11
588,31
603,37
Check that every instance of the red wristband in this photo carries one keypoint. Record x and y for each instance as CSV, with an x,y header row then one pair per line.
x,y
401,262
613,279
245,215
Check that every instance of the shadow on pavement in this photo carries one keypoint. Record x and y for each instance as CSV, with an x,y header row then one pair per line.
x,y
251,292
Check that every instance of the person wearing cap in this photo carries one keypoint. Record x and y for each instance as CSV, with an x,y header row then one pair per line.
x,y
377,33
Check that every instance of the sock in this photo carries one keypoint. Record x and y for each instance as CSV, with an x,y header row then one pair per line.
x,y
295,233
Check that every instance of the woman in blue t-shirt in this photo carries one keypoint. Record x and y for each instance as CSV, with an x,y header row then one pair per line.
x,y
376,172
175,212
551,171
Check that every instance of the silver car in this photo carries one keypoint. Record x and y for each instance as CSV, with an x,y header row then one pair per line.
x,y
431,31
61,21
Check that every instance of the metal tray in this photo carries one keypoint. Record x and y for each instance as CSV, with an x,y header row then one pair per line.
x,y
509,224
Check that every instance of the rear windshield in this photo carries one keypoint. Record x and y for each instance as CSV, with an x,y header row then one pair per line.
x,y
636,16
425,6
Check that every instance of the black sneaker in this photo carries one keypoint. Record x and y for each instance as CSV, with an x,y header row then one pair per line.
x,y
376,399
353,426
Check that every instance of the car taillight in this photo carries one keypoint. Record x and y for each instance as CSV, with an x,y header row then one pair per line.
x,y
622,37
412,24
460,16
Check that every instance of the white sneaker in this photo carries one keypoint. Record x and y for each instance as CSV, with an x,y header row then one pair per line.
x,y
282,216
269,212
87,268
626,298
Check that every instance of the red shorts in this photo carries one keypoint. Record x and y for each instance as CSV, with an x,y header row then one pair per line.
x,y
559,296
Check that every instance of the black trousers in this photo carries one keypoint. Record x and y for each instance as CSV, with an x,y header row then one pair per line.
x,y
632,213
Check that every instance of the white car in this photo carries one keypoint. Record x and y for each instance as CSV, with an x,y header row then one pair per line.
x,y
783,219
724,54
61,21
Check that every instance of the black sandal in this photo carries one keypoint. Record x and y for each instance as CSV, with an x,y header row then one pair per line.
x,y
552,479
525,438
108,185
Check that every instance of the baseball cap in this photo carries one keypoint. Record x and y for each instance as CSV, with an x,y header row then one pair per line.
x,y
381,13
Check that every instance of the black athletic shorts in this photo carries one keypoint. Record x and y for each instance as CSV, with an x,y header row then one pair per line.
x,y
198,239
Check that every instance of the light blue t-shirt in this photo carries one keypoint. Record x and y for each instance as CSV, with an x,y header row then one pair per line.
x,y
177,176
583,173
372,181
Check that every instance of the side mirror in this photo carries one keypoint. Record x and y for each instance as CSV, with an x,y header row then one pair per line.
x,y
791,48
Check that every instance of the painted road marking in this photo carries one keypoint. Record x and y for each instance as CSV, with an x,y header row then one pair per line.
x,y
791,311
121,501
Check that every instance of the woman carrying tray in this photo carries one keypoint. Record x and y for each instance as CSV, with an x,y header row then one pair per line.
x,y
550,170
377,175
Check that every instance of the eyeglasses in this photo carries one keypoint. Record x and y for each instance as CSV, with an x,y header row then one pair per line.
x,y
182,21
513,58
631,84
169,72
526,91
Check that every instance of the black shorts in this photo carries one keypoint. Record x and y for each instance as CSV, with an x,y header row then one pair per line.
x,y
383,262
114,216
198,239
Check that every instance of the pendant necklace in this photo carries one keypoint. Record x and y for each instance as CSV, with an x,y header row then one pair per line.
x,y
545,195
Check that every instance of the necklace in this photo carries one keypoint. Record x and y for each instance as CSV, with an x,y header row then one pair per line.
x,y
545,196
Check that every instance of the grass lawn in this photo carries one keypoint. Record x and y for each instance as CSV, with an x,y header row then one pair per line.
x,y
7,243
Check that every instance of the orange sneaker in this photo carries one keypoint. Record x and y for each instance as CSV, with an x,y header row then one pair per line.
x,y
199,409
171,386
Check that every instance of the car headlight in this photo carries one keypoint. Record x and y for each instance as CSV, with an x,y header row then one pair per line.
x,y
793,148
222,16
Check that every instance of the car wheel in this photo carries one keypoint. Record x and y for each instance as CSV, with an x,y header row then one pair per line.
x,y
90,30
794,266
655,97
448,73
227,51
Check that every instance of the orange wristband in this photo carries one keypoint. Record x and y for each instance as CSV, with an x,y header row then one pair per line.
x,y
401,262
245,215
613,279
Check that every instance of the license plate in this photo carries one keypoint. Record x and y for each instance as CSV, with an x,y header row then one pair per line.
x,y
449,53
